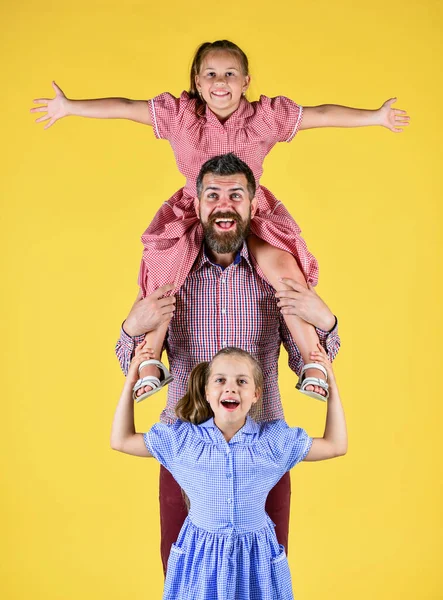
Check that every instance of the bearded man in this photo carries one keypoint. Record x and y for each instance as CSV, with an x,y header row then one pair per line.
x,y
224,302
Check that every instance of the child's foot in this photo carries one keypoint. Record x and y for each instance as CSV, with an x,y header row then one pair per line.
x,y
313,381
315,388
149,371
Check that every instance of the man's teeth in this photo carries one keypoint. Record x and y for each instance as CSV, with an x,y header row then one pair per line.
x,y
224,220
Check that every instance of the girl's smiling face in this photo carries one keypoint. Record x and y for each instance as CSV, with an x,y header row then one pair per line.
x,y
231,391
221,82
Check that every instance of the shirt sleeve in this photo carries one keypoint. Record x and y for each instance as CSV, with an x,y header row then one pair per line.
x,y
162,442
291,444
166,112
330,341
284,114
124,348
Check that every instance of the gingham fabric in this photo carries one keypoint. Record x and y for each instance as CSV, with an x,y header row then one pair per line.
x,y
173,239
227,548
218,307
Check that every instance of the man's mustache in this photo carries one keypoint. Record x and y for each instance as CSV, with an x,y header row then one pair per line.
x,y
224,215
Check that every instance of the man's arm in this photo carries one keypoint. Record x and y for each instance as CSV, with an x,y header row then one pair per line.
x,y
307,304
145,315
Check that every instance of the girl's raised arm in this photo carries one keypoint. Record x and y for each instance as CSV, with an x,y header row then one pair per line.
x,y
100,108
123,435
335,438
333,115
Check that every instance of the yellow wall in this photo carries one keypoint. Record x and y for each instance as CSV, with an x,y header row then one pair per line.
x,y
81,521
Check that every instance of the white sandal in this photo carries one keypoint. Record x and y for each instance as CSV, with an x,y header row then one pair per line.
x,y
155,383
303,382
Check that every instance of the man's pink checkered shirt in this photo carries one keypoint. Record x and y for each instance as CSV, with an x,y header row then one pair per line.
x,y
218,307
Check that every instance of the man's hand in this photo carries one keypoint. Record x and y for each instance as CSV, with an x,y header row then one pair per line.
x,y
306,304
150,312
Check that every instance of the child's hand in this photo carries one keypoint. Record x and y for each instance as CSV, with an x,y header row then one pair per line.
x,y
320,356
141,353
56,108
392,118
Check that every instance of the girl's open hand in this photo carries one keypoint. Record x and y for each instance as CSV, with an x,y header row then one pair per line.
x,y
393,118
55,108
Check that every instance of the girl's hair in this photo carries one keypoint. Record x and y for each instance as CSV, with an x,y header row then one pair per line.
x,y
194,407
201,54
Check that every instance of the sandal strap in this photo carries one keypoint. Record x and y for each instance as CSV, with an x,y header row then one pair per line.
x,y
151,380
315,366
314,381
158,364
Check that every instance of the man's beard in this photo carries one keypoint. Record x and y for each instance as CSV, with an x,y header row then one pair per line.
x,y
231,241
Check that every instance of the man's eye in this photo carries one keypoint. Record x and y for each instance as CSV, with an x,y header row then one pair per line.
x,y
236,196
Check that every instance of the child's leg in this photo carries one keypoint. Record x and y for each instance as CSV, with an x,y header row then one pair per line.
x,y
155,340
276,263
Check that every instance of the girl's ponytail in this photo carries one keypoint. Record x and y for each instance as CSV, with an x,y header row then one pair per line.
x,y
193,407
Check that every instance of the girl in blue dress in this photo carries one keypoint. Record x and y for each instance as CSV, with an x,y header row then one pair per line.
x,y
227,463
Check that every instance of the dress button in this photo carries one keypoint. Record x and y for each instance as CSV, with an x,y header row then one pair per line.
x,y
223,311
222,280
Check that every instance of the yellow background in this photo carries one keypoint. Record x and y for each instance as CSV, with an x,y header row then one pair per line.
x,y
81,521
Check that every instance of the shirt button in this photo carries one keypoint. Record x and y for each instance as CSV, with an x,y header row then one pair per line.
x,y
222,280
223,311
229,500
228,475
224,344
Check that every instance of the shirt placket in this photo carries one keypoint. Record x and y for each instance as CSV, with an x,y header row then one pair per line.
x,y
224,308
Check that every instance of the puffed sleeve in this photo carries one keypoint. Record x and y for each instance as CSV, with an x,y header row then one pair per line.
x,y
290,444
283,114
166,111
163,442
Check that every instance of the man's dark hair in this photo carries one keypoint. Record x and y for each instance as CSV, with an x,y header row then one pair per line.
x,y
226,164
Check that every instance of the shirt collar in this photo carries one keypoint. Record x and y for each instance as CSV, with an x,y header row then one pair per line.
x,y
203,258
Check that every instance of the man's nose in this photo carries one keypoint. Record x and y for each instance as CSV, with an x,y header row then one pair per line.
x,y
224,201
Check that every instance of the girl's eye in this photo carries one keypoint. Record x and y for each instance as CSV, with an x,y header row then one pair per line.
x,y
242,381
219,380
230,74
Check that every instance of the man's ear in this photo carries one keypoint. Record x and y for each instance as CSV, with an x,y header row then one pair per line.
x,y
197,206
253,207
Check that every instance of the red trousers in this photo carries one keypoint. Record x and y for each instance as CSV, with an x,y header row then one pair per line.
x,y
173,511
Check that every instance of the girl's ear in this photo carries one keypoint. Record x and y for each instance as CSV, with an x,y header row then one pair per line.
x,y
246,83
257,394
197,81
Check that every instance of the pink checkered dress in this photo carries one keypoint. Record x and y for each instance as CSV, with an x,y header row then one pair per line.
x,y
174,238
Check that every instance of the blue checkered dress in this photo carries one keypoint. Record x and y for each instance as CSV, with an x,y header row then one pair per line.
x,y
227,548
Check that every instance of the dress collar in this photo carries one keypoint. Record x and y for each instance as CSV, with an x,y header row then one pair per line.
x,y
243,111
249,428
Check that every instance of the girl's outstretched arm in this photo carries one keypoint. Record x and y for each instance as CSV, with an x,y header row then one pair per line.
x,y
333,115
123,435
100,108
335,439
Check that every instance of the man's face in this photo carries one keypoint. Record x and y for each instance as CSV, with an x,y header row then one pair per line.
x,y
225,211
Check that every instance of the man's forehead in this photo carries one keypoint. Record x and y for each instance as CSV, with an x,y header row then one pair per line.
x,y
225,181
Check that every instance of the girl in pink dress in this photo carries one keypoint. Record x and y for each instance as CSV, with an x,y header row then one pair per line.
x,y
215,118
